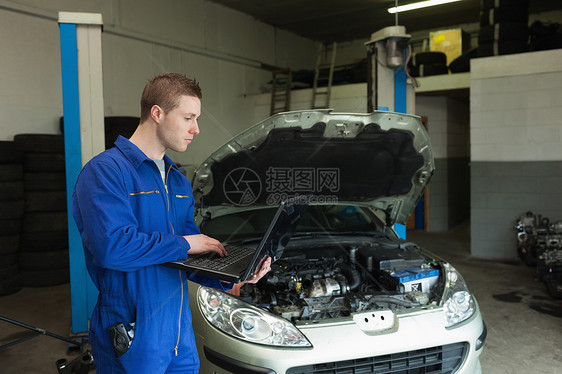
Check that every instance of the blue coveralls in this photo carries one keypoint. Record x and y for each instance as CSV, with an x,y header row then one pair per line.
x,y
131,223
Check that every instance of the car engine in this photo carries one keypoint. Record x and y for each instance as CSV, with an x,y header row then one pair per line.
x,y
540,244
318,283
535,234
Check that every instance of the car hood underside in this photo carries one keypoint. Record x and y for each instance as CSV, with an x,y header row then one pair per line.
x,y
382,160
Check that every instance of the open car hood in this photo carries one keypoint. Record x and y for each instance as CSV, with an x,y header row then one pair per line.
x,y
382,160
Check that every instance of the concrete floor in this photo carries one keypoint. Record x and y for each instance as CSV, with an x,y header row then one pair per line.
x,y
524,323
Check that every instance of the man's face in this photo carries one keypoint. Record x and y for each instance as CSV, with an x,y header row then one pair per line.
x,y
179,126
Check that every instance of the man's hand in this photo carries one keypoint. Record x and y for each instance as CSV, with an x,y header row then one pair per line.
x,y
261,270
202,243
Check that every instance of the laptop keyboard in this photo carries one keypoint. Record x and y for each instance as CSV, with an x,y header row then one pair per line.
x,y
235,254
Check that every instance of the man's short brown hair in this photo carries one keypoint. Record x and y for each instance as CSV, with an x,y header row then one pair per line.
x,y
165,90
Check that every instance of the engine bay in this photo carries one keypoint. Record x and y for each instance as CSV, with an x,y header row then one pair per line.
x,y
330,280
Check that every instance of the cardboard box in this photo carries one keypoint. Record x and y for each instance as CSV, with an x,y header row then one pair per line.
x,y
417,279
453,43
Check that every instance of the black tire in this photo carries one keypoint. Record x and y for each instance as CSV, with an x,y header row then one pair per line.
x,y
110,138
43,241
502,32
546,44
10,152
425,58
11,172
44,222
504,14
119,125
489,4
8,272
9,244
10,226
40,143
10,285
11,209
44,181
44,278
43,162
554,287
45,201
461,64
8,260
502,48
11,190
113,127
43,260
427,70
545,36
124,124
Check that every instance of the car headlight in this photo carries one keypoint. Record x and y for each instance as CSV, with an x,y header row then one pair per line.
x,y
458,303
246,322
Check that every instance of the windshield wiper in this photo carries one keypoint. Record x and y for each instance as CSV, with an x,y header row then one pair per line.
x,y
336,233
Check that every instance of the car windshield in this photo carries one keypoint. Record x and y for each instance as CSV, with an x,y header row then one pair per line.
x,y
331,219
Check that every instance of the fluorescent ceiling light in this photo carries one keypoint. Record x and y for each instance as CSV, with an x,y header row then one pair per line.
x,y
421,4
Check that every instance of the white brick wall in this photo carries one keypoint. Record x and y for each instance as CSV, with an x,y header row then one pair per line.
x,y
516,107
448,125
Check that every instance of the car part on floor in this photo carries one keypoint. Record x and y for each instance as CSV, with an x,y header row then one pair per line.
x,y
540,245
82,364
38,331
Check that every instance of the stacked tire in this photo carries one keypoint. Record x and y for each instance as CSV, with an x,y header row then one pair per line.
x,y
43,256
461,64
503,27
424,64
11,212
113,127
544,36
118,125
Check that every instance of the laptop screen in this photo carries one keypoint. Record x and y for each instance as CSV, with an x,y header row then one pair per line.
x,y
282,229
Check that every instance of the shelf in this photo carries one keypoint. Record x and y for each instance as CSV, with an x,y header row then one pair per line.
x,y
443,83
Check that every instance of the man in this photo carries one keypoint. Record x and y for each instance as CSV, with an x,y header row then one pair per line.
x,y
134,211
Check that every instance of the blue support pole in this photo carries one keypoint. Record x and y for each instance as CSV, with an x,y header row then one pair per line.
x,y
400,106
400,85
82,291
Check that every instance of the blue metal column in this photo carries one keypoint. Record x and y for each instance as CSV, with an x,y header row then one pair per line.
x,y
400,85
82,291
400,104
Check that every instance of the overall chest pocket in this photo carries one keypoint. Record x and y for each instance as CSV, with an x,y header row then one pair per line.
x,y
150,209
181,202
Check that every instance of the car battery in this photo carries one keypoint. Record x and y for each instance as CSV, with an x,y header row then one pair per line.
x,y
417,279
390,256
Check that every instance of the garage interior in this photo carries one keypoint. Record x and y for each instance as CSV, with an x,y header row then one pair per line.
x,y
495,130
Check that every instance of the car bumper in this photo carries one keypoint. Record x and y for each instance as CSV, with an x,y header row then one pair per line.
x,y
416,339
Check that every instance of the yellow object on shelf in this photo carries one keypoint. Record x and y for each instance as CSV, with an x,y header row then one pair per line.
x,y
453,42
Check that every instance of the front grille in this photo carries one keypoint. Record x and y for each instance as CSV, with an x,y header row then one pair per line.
x,y
436,360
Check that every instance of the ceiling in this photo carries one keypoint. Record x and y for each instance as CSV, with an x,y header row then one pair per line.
x,y
344,20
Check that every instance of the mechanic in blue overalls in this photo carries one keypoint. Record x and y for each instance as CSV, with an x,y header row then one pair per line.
x,y
134,211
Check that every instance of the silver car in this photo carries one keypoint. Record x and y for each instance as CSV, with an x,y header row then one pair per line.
x,y
346,295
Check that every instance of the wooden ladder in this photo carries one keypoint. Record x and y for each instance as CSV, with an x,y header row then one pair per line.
x,y
325,90
281,91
